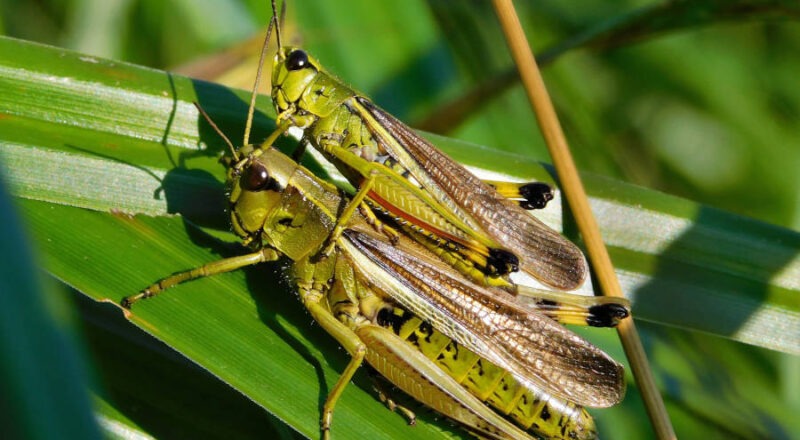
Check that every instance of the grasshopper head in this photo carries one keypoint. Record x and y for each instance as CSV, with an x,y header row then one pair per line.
x,y
268,204
254,193
292,72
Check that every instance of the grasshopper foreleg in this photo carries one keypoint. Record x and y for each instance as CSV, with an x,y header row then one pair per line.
x,y
379,226
358,201
206,270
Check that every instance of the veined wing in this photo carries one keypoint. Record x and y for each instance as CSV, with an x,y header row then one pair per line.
x,y
534,348
543,252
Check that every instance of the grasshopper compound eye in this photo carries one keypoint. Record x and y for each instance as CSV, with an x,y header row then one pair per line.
x,y
256,177
297,60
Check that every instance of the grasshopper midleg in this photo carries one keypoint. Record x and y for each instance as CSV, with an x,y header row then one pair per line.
x,y
415,180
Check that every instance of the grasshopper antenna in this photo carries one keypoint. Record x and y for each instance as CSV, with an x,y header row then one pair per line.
x,y
219,132
279,22
251,110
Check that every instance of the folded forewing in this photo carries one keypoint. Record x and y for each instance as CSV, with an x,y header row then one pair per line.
x,y
534,348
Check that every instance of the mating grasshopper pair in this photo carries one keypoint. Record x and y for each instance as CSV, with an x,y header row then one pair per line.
x,y
419,312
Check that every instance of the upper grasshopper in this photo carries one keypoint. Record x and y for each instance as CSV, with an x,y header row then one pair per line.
x,y
399,172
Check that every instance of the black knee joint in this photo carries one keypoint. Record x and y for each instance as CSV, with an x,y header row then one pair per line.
x,y
501,262
536,195
606,315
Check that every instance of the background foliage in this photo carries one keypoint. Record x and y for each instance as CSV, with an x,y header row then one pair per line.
x,y
697,99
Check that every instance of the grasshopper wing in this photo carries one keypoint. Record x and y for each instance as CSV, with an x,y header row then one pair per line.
x,y
543,252
534,348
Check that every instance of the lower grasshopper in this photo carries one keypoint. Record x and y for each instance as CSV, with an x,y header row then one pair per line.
x,y
450,343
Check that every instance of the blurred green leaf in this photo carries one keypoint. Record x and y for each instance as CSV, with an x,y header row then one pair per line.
x,y
42,375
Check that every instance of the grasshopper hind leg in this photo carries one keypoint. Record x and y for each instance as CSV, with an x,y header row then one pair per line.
x,y
390,232
531,195
566,308
358,202
536,194
606,315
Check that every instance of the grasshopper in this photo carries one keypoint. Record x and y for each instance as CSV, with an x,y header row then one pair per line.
x,y
459,347
398,172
